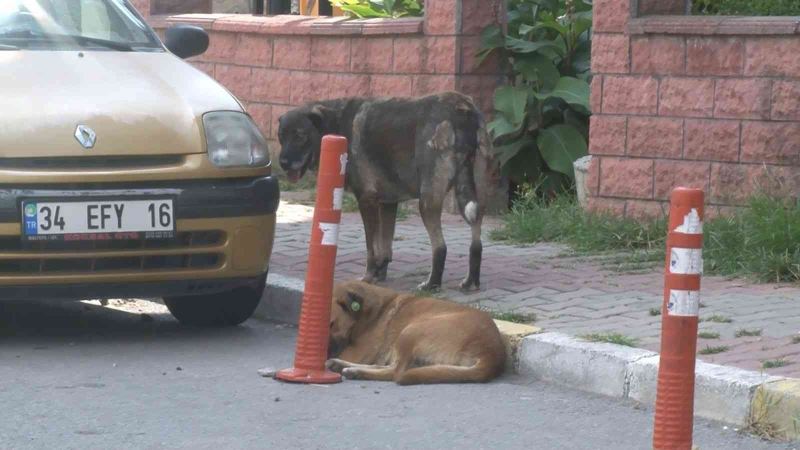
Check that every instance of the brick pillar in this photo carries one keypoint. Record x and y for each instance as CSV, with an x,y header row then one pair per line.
x,y
463,20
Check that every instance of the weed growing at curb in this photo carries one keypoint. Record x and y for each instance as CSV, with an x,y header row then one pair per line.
x,y
513,317
611,338
708,335
775,363
743,332
795,339
716,318
761,241
758,423
713,350
655,311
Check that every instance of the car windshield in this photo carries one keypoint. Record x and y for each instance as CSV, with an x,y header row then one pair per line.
x,y
73,24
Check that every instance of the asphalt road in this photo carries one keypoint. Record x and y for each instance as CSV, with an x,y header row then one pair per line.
x,y
82,376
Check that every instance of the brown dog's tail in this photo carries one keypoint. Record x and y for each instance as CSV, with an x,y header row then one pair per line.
x,y
480,372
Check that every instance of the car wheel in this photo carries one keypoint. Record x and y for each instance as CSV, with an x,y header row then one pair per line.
x,y
216,310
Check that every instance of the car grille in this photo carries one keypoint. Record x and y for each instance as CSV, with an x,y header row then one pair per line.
x,y
52,259
109,264
90,162
183,240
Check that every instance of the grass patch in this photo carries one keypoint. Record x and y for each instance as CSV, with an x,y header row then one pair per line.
x,y
655,311
708,335
307,183
775,363
514,317
717,318
713,350
795,339
743,332
611,338
761,241
402,212
349,203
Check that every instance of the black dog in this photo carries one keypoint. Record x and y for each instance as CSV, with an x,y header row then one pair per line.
x,y
400,149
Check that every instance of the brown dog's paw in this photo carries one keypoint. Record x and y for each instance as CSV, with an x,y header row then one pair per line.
x,y
336,365
350,373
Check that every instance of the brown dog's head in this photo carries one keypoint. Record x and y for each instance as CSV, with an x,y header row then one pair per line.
x,y
355,305
300,134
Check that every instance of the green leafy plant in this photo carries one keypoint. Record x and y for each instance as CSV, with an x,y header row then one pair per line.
x,y
747,7
370,9
541,116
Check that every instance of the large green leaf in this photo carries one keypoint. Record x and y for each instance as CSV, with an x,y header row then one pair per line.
x,y
536,67
560,145
511,101
522,46
491,39
572,90
506,152
501,126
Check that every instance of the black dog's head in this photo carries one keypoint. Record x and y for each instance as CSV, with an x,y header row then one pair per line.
x,y
300,134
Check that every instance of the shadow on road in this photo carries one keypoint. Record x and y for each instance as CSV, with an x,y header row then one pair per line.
x,y
121,320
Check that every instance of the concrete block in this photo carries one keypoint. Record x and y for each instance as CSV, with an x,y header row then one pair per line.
x,y
721,393
282,299
595,367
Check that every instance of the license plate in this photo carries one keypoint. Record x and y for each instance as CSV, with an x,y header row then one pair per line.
x,y
98,220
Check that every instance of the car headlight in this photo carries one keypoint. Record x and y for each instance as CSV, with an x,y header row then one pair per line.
x,y
233,140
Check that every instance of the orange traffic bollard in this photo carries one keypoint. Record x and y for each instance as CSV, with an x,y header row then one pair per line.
x,y
675,396
313,334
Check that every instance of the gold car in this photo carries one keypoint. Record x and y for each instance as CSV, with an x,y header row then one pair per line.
x,y
124,171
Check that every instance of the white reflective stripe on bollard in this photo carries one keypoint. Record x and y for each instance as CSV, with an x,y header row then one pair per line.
x,y
330,233
683,303
338,198
688,261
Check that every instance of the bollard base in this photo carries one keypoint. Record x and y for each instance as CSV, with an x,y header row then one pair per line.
x,y
308,376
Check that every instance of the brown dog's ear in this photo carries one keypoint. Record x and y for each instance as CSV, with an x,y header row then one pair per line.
x,y
354,303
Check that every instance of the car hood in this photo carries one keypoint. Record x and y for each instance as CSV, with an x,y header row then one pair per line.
x,y
136,103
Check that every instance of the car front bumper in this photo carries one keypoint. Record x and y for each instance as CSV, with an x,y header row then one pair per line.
x,y
225,231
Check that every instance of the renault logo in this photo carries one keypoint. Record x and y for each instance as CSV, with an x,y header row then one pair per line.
x,y
86,136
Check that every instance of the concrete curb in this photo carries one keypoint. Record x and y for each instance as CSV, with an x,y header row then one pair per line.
x,y
740,397
727,394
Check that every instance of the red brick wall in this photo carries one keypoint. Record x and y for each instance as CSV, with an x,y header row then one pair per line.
x,y
275,63
703,102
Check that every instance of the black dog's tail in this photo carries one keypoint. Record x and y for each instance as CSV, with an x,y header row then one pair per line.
x,y
472,137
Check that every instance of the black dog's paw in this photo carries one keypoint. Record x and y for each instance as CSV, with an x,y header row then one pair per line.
x,y
427,286
469,285
336,365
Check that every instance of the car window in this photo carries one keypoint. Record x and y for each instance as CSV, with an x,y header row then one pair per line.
x,y
59,24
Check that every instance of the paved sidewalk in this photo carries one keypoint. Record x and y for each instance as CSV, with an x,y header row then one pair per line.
x,y
568,294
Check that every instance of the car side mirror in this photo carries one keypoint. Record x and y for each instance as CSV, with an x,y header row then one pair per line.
x,y
186,40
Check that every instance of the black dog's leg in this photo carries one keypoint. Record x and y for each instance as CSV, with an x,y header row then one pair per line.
x,y
369,215
432,218
475,255
383,257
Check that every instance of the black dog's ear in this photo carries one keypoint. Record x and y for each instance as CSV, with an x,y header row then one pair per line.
x,y
354,302
320,116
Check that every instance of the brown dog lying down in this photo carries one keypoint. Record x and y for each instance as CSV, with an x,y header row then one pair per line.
x,y
379,334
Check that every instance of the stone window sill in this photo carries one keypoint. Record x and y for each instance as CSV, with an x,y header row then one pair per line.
x,y
715,25
293,24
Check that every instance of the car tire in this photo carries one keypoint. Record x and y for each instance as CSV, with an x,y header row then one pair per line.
x,y
222,309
